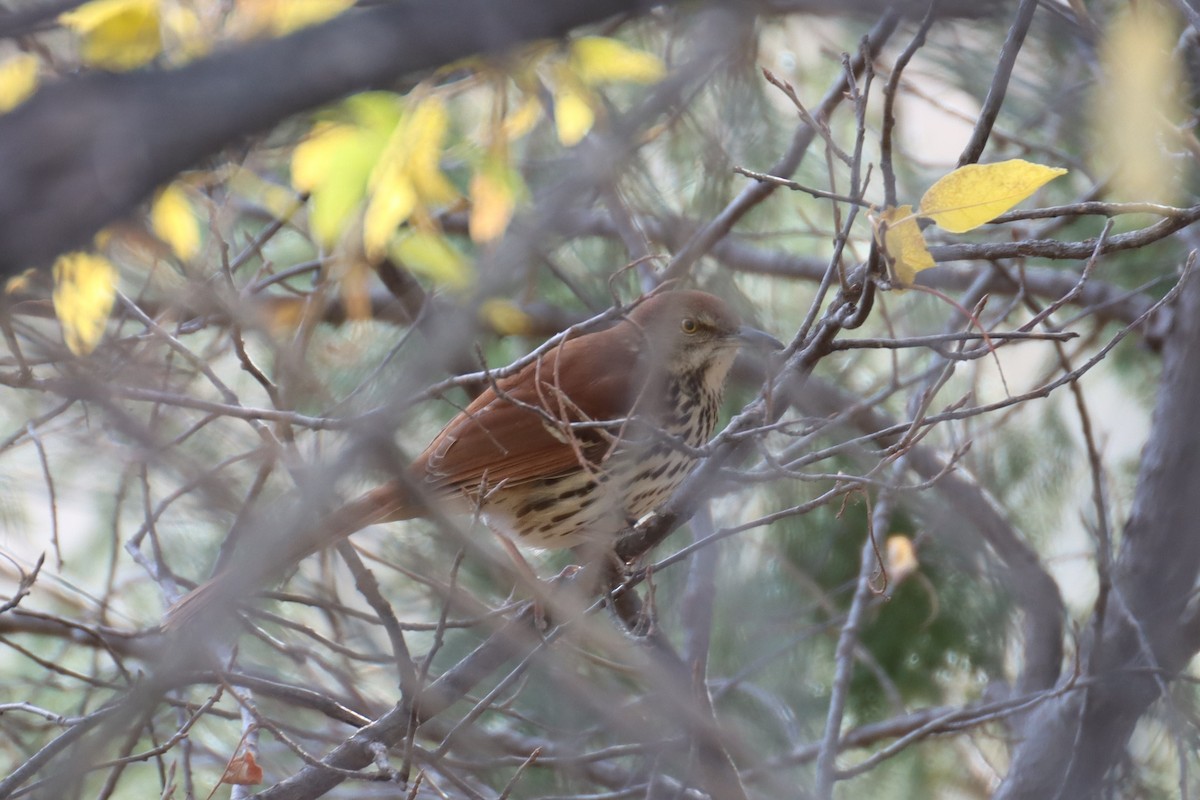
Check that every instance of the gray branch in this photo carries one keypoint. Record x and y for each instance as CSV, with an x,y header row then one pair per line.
x,y
1070,744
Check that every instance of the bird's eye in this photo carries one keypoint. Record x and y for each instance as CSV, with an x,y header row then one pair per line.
x,y
689,325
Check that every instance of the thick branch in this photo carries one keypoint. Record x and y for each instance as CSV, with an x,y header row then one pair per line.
x,y
1070,745
84,152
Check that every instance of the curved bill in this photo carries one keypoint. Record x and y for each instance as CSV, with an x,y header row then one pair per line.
x,y
753,337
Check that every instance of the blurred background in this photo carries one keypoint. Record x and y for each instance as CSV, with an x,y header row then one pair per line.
x,y
272,247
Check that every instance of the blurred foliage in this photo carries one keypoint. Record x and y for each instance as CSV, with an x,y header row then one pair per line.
x,y
434,178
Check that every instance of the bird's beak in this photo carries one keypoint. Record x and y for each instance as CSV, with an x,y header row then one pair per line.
x,y
753,337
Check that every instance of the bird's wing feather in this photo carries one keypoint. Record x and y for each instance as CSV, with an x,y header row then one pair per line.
x,y
498,438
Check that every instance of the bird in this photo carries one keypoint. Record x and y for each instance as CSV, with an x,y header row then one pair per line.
x,y
584,440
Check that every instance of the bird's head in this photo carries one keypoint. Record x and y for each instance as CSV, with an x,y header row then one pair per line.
x,y
698,333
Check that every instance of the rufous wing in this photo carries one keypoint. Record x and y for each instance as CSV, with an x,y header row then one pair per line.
x,y
512,431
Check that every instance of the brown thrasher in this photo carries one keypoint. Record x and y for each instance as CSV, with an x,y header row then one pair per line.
x,y
581,442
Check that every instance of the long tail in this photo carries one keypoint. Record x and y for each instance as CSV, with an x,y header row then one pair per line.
x,y
244,576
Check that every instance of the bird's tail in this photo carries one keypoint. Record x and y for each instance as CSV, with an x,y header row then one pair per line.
x,y
390,502
244,576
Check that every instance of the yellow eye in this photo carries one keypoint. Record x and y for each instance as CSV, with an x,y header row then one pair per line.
x,y
689,325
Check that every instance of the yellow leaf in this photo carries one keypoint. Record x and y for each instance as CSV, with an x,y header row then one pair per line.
x,y
521,121
392,202
279,17
331,148
384,155
494,190
573,114
334,163
1135,102
282,202
429,254
978,193
18,80
901,558
174,221
426,130
185,34
408,175
903,245
85,286
292,15
116,34
505,318
355,289
375,112
330,207
316,158
599,59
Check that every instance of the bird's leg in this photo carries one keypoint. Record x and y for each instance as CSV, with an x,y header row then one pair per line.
x,y
638,618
